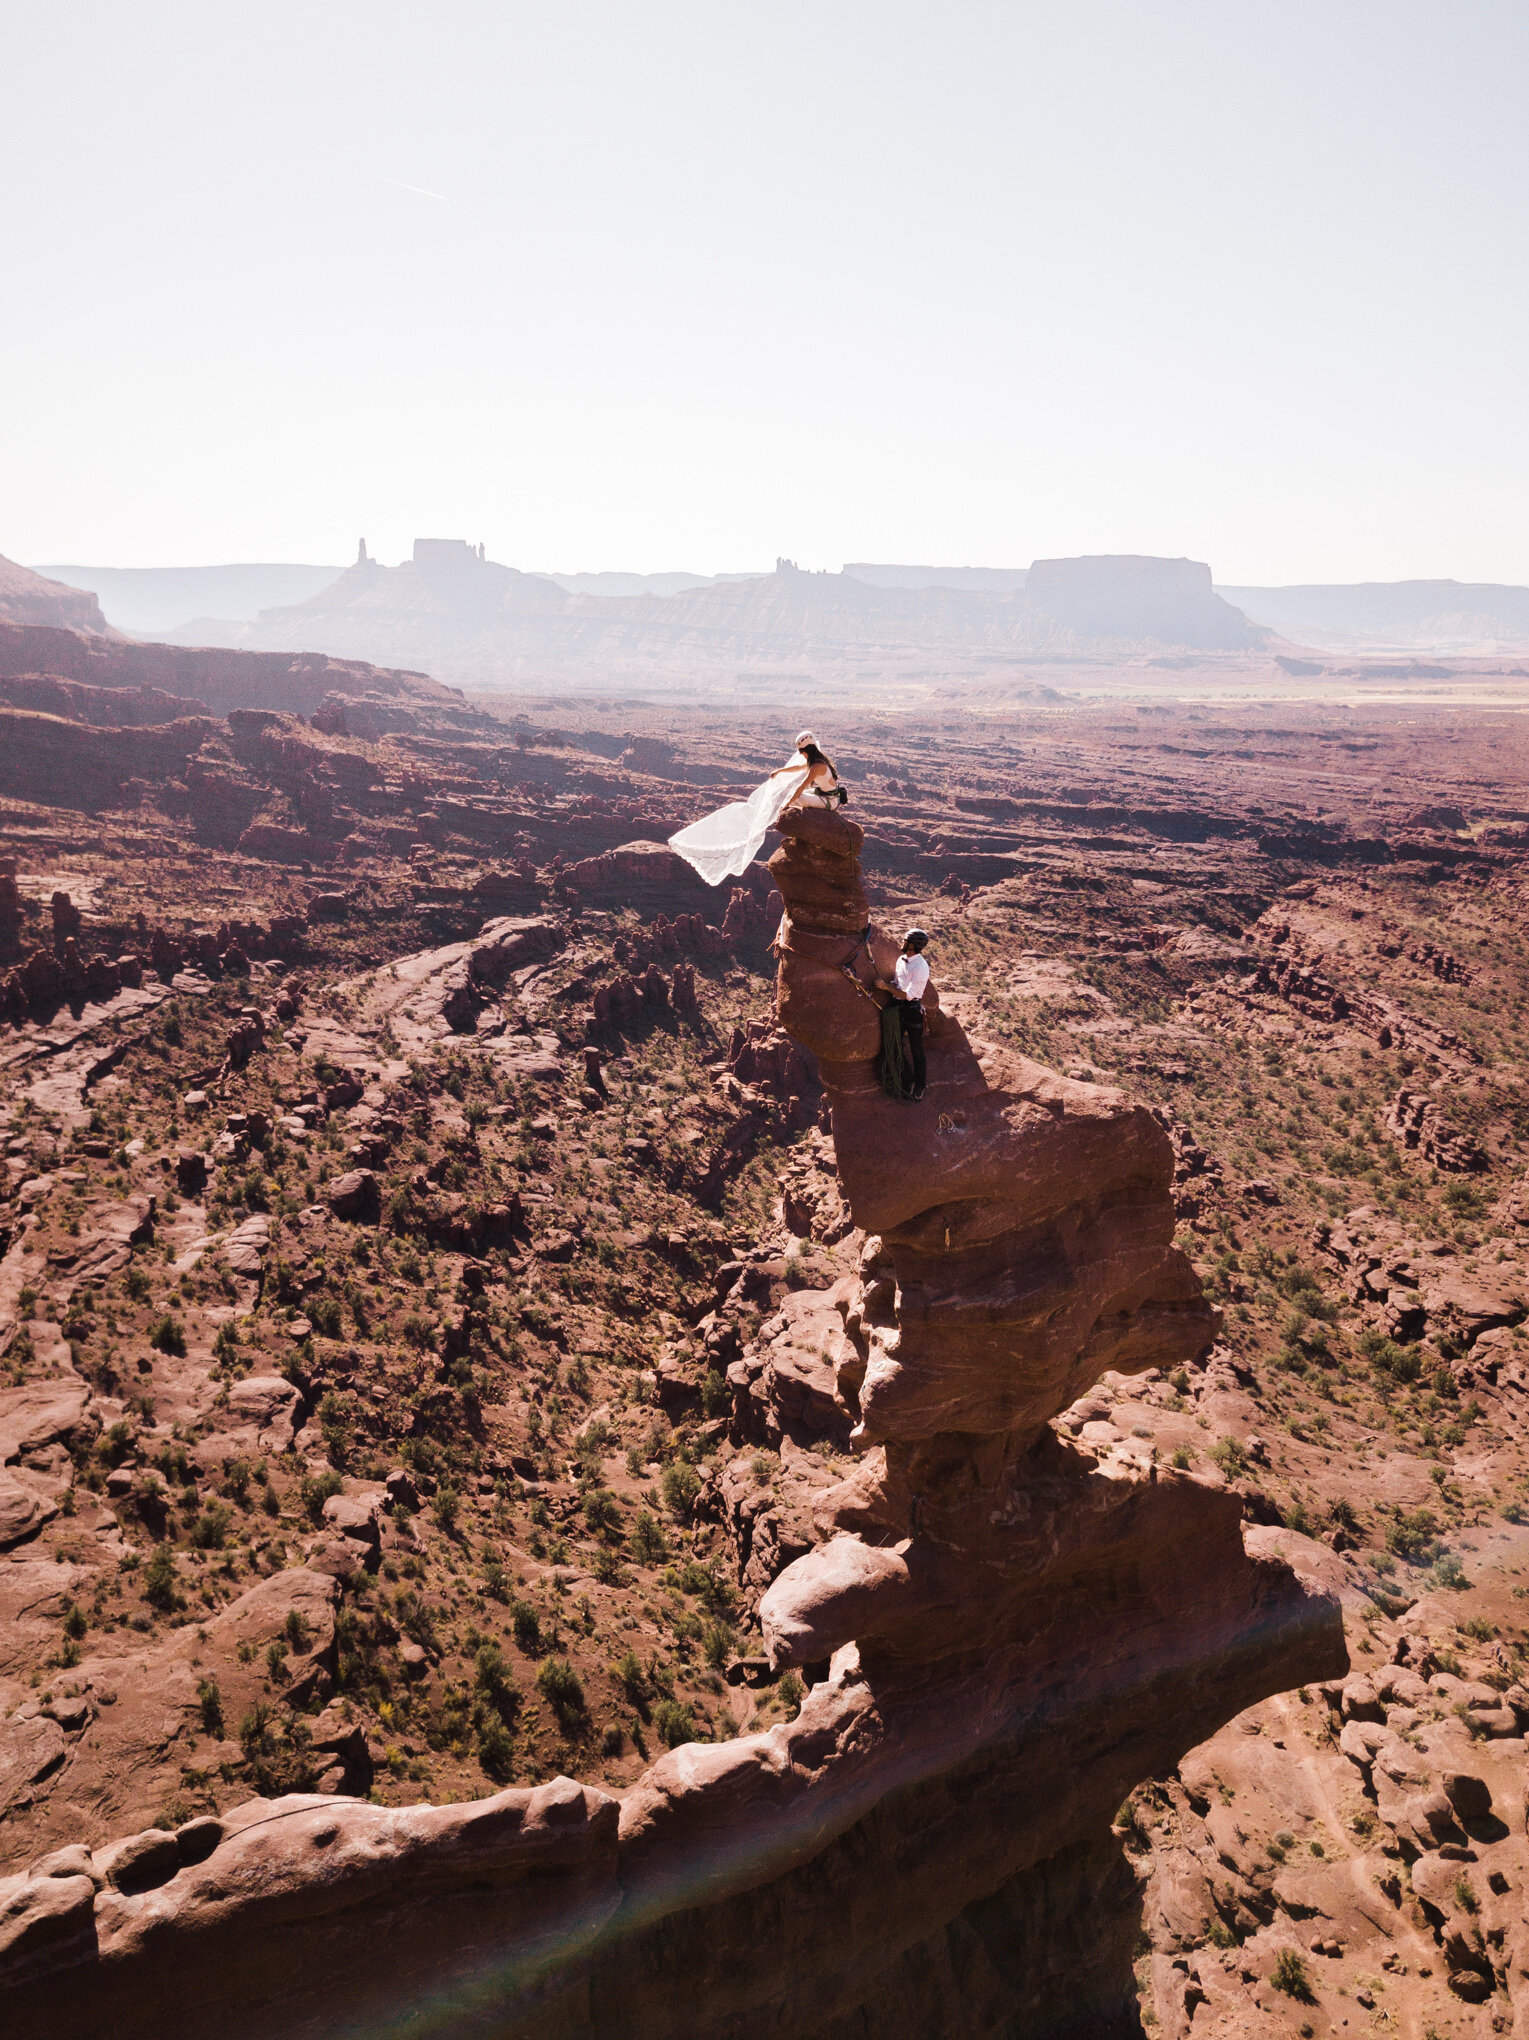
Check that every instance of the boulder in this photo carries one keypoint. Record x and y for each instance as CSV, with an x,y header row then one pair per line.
x,y
355,1196
1470,1796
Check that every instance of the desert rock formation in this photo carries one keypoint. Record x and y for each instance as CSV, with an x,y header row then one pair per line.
x,y
31,598
470,619
1003,1632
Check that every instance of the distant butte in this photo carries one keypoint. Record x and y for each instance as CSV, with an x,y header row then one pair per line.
x,y
461,616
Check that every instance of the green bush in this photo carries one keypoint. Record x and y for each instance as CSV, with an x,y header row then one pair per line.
x,y
161,1582
325,1315
168,1335
681,1485
210,1701
315,1491
496,1749
630,1676
647,1542
674,1723
116,1444
602,1513
560,1686
1411,1532
719,1645
1229,1456
1289,1975
276,1752
209,1532
527,1625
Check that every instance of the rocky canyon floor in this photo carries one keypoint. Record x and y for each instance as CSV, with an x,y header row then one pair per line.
x,y
424,1261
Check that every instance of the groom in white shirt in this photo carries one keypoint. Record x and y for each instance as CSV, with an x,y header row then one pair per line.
x,y
909,983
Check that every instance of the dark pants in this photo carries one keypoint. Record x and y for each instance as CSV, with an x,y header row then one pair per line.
x,y
910,1013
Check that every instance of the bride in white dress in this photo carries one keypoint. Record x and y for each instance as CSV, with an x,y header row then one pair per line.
x,y
724,844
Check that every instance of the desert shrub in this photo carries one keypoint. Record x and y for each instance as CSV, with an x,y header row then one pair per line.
x,y
326,1317
1392,1362
168,1335
681,1485
277,1752
718,1644
335,1424
560,1686
496,1749
791,1691
116,1444
210,1700
527,1625
492,1680
647,1539
209,1532
612,1742
416,1618
1229,1456
630,1676
1411,1532
602,1513
1289,1975
295,1629
674,1723
716,1396
161,1582
315,1490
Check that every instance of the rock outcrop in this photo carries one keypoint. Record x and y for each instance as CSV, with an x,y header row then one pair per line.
x,y
31,598
1002,1633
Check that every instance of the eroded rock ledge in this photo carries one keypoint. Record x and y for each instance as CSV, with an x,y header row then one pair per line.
x,y
1005,1633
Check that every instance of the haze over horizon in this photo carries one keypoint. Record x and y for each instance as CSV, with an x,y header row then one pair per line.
x,y
696,289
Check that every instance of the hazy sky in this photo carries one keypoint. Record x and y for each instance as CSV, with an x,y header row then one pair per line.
x,y
655,285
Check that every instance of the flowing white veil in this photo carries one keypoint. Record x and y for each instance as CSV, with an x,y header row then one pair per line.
x,y
724,844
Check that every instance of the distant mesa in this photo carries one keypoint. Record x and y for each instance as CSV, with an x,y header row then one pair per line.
x,y
1127,596
1458,618
451,611
28,597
